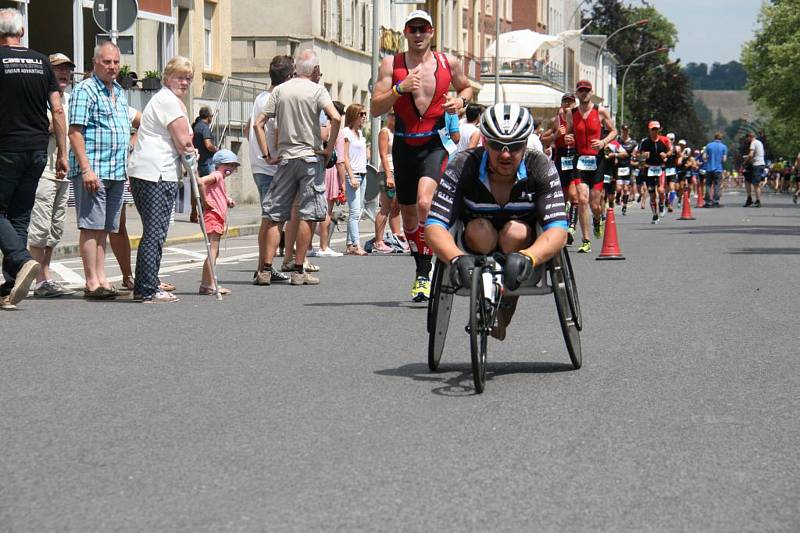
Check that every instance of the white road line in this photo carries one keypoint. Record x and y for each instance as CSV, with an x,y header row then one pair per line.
x,y
183,251
67,274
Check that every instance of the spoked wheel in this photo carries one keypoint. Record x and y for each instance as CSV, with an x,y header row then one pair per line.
x,y
569,328
478,329
572,289
439,307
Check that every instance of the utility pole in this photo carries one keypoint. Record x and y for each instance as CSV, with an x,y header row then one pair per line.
x,y
496,51
376,64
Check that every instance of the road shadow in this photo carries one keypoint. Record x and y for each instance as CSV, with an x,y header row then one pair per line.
x,y
461,384
766,251
400,304
729,230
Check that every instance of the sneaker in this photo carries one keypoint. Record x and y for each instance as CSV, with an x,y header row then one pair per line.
x,y
314,252
421,290
655,219
303,278
670,210
757,203
794,198
275,275
749,202
22,284
585,248
598,229
329,252
624,210
51,289
261,277
570,238
5,304
161,297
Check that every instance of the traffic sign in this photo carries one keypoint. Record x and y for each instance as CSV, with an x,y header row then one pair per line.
x,y
103,12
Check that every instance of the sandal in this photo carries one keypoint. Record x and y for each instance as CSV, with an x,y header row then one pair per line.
x,y
161,297
126,285
205,290
167,287
354,249
100,293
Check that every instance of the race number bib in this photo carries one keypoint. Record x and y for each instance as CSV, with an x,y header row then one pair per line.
x,y
653,171
623,172
606,178
567,163
447,142
587,162
670,171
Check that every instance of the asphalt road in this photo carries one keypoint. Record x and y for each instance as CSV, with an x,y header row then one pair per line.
x,y
312,408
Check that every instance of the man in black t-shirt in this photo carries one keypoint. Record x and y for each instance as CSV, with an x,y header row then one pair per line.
x,y
27,85
203,140
654,150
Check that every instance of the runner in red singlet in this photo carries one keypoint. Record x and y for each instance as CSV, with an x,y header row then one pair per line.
x,y
564,158
416,84
586,125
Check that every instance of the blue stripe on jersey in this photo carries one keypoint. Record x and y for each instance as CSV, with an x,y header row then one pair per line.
x,y
435,221
557,224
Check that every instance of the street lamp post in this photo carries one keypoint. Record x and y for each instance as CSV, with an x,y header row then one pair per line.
x,y
598,58
497,51
625,75
564,45
376,64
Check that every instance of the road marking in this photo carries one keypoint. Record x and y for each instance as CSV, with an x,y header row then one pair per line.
x,y
67,274
183,251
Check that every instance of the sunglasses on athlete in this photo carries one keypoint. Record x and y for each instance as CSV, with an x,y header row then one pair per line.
x,y
512,148
418,28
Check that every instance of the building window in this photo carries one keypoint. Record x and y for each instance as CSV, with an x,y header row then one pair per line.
x,y
347,30
208,36
487,7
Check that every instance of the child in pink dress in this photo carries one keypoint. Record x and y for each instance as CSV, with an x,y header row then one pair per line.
x,y
215,211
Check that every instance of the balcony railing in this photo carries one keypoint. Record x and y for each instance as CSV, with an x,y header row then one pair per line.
x,y
512,67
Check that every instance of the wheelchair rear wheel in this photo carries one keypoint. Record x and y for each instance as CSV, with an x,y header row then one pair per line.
x,y
439,307
479,327
572,336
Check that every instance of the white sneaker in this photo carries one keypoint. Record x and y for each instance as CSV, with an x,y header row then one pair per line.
x,y
314,252
329,252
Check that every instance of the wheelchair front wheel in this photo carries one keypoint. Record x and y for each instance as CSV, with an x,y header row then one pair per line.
x,y
478,329
439,308
572,336
572,289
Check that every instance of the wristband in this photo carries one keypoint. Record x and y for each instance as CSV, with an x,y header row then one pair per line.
x,y
464,102
396,89
530,256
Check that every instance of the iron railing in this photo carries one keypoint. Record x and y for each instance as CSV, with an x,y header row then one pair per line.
x,y
523,68
232,107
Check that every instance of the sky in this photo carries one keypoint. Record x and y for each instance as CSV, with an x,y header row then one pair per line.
x,y
710,30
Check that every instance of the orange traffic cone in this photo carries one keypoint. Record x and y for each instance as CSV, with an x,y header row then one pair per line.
x,y
610,245
700,202
686,212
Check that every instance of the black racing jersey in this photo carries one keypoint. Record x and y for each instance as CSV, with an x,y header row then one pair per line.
x,y
629,146
463,193
654,147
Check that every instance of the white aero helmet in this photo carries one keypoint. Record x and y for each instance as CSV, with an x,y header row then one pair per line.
x,y
506,123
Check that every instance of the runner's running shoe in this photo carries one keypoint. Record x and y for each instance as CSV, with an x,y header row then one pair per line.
x,y
624,210
585,248
599,228
421,290
655,219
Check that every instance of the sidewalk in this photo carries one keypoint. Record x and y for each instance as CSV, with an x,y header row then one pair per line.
x,y
242,220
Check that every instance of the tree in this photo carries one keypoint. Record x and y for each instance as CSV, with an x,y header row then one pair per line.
x,y
772,61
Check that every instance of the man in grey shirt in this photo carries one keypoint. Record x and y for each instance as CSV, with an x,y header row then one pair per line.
x,y
296,106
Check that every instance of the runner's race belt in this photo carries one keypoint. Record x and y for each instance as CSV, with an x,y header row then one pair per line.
x,y
653,171
623,172
567,163
670,171
587,162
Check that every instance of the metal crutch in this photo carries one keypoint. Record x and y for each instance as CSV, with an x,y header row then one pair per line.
x,y
189,162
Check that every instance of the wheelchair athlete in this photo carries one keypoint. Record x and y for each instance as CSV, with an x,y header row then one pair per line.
x,y
499,191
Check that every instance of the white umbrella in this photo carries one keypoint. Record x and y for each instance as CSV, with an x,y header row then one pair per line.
x,y
523,44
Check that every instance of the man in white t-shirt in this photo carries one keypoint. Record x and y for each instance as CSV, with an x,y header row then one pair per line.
x,y
296,106
264,165
470,135
754,164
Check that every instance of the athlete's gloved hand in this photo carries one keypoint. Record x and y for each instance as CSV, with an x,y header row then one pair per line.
x,y
461,270
518,268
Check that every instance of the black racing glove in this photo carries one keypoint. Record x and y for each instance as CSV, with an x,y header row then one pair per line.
x,y
461,270
518,268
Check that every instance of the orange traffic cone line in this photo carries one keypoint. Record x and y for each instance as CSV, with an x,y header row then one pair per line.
x,y
686,212
610,244
700,202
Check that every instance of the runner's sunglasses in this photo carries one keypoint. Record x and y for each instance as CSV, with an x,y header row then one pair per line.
x,y
509,147
418,28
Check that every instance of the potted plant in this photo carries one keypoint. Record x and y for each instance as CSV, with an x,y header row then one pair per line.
x,y
151,81
126,78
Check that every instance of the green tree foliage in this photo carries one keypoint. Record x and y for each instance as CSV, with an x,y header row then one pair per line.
x,y
730,76
655,88
772,62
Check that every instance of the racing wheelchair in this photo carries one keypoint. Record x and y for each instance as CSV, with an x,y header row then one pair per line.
x,y
485,293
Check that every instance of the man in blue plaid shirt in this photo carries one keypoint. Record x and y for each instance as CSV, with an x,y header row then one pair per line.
x,y
99,134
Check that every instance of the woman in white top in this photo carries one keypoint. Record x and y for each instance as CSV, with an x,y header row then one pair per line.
x,y
355,167
165,135
390,209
